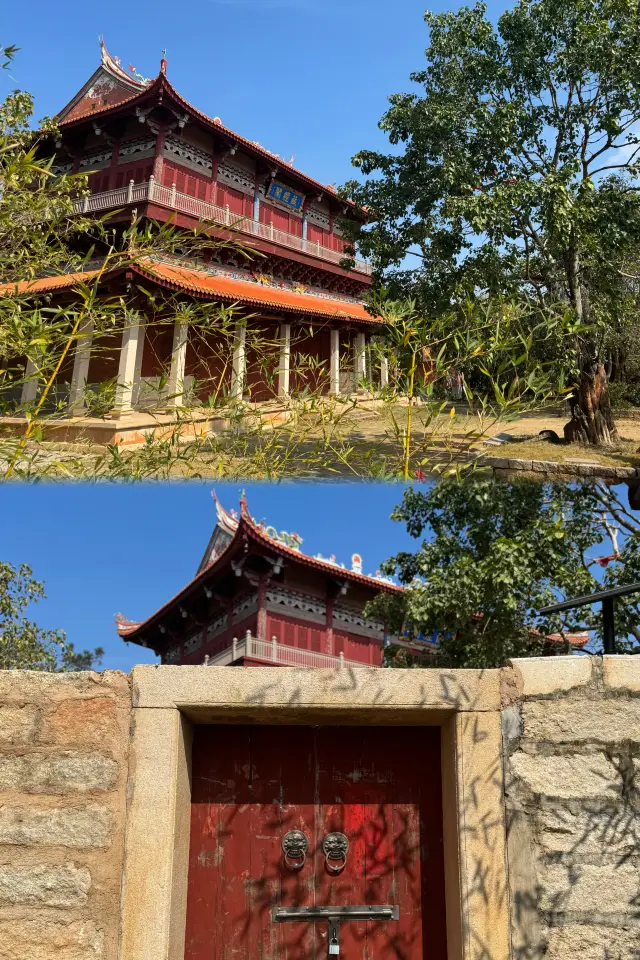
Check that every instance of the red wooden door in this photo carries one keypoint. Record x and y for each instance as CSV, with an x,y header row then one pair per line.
x,y
380,786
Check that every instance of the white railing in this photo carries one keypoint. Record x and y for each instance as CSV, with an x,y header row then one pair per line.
x,y
169,197
270,651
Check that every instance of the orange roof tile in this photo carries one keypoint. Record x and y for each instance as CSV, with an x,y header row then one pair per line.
x,y
218,286
211,286
46,284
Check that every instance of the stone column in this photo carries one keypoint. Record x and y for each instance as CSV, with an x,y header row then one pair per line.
x,y
334,363
360,358
132,341
384,372
239,369
175,383
80,368
285,360
31,384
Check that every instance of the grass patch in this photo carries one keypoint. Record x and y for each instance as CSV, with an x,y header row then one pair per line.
x,y
619,454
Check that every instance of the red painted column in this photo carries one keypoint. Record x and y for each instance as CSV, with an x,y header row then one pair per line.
x,y
329,626
157,157
229,636
115,155
211,186
261,627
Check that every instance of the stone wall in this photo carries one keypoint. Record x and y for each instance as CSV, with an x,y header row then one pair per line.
x,y
571,746
64,742
570,759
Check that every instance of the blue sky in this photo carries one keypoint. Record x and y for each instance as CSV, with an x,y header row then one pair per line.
x,y
110,549
303,77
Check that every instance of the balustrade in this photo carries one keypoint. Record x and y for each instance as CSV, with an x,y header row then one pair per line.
x,y
170,198
270,651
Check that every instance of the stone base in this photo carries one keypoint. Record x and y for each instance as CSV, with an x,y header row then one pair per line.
x,y
131,428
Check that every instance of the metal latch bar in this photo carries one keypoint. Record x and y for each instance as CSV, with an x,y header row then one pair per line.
x,y
366,912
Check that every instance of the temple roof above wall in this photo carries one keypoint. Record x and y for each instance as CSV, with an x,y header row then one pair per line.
x,y
250,535
111,89
109,86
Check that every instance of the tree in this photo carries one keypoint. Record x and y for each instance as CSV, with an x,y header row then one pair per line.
x,y
516,169
496,553
24,645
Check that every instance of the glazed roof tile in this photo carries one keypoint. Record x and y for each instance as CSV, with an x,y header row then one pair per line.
x,y
47,284
222,287
211,286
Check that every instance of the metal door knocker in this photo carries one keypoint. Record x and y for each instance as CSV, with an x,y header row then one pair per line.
x,y
294,847
335,847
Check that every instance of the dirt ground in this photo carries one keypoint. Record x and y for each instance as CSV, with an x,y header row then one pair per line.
x,y
368,442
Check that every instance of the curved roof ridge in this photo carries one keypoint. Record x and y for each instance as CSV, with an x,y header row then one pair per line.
x,y
214,123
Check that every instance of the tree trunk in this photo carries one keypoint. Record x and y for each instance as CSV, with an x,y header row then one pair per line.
x,y
591,416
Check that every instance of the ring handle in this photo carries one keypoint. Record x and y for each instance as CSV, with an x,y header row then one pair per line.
x,y
335,847
294,846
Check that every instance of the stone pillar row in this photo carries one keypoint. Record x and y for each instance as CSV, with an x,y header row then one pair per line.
x,y
130,366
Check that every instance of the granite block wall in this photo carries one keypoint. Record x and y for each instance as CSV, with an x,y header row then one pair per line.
x,y
571,754
64,742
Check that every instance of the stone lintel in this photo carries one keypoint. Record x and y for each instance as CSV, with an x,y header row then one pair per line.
x,y
369,690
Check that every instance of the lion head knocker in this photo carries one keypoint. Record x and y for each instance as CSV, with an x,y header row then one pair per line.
x,y
294,847
335,847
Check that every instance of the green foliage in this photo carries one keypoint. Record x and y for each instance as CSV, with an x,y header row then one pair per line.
x,y
24,645
515,168
495,554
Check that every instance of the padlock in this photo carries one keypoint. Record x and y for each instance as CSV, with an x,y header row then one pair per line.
x,y
334,948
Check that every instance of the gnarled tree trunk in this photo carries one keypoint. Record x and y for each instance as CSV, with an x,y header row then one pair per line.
x,y
591,416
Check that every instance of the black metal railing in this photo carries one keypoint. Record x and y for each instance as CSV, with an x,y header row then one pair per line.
x,y
607,598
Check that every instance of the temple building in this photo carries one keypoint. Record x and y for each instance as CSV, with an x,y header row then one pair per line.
x,y
256,599
151,154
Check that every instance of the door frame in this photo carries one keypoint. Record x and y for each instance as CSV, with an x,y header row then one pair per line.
x,y
168,701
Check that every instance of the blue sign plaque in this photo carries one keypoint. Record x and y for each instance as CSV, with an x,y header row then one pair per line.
x,y
285,195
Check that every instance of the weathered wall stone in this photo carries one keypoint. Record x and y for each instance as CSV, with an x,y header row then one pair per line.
x,y
66,886
590,888
70,827
582,720
38,773
18,723
567,777
606,829
39,938
536,679
82,722
593,942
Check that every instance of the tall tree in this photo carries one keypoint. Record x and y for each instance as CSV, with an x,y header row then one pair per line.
x,y
23,644
495,553
515,168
